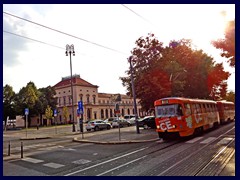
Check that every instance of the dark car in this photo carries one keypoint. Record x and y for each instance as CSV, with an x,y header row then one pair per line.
x,y
147,122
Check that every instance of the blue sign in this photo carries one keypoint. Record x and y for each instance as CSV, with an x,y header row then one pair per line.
x,y
26,111
80,105
55,112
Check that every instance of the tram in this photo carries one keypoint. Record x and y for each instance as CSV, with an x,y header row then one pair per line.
x,y
226,111
184,116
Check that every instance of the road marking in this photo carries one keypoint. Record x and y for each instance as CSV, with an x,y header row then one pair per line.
x,y
81,161
225,141
208,140
194,140
121,166
53,165
32,160
104,162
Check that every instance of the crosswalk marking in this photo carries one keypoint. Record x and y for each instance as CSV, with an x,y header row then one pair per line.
x,y
225,141
32,160
208,140
194,140
53,165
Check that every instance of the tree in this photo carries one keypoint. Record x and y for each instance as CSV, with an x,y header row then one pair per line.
x,y
27,98
45,98
174,70
65,114
49,112
8,102
230,96
227,45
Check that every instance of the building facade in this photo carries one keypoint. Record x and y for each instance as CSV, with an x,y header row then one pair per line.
x,y
95,105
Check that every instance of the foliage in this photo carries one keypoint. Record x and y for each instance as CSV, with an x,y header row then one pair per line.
x,y
65,114
48,112
174,70
230,96
8,102
227,45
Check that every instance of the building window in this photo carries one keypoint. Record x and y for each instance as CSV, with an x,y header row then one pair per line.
x,y
94,99
81,97
59,101
64,101
69,99
111,113
122,112
88,100
102,114
106,112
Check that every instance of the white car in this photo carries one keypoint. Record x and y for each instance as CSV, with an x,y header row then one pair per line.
x,y
120,123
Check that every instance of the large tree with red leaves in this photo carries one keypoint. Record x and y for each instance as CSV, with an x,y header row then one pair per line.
x,y
174,70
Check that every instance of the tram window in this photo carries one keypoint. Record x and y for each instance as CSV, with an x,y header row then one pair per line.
x,y
187,109
179,110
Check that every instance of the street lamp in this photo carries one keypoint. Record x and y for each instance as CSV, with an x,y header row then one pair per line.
x,y
134,95
70,51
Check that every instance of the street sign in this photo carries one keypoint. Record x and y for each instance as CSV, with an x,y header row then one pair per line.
x,y
26,111
80,105
55,112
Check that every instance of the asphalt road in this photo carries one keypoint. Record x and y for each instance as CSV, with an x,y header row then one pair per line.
x,y
204,155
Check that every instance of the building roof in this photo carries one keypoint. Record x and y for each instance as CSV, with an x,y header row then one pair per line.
x,y
66,81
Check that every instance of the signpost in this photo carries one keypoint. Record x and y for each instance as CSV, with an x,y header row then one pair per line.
x,y
80,113
117,112
26,113
55,115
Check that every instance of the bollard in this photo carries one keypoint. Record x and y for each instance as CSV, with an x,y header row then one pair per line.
x,y
9,148
21,149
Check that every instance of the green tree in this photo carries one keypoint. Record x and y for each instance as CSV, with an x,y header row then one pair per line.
x,y
8,102
45,98
230,96
227,45
65,114
49,113
27,98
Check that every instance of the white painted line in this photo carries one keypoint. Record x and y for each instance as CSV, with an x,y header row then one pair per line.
x,y
208,140
53,165
194,140
81,161
104,162
121,166
32,160
225,141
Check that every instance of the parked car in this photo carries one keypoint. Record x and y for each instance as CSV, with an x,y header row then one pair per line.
x,y
128,116
147,122
110,120
120,123
132,120
97,125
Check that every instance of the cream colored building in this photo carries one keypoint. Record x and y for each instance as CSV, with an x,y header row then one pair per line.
x,y
96,105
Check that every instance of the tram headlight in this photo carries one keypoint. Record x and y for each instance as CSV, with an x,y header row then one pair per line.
x,y
158,126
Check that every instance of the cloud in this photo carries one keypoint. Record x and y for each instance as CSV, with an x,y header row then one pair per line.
x,y
12,44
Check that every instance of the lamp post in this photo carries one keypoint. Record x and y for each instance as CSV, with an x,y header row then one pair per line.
x,y
70,51
134,95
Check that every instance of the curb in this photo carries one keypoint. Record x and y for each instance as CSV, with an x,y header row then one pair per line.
x,y
114,142
34,138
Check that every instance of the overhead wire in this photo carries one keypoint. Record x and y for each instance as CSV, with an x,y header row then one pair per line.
x,y
32,39
61,32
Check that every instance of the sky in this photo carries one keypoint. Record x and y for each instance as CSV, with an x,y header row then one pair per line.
x,y
106,35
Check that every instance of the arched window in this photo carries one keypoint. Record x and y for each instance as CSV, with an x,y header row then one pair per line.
x,y
122,112
106,112
81,97
88,99
94,99
102,114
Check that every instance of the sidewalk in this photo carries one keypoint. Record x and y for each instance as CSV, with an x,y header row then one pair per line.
x,y
126,135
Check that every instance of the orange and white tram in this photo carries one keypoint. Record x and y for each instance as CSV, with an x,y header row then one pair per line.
x,y
184,116
226,111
